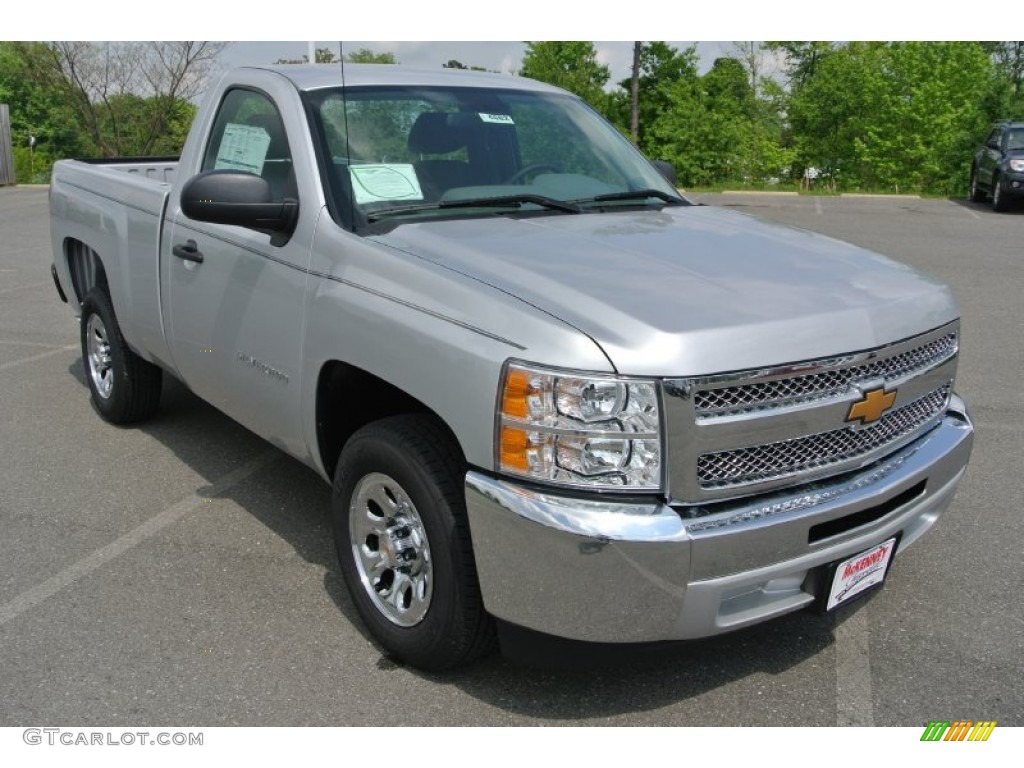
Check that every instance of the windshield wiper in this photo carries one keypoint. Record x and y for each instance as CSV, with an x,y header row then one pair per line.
x,y
478,202
633,194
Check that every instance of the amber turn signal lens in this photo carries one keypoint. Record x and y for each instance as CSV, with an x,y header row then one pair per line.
x,y
513,400
513,449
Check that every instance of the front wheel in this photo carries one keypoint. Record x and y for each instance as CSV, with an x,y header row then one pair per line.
x,y
403,542
124,387
976,194
999,199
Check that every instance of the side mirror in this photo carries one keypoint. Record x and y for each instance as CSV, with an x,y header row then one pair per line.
x,y
666,169
242,199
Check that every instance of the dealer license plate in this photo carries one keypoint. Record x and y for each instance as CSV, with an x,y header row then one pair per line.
x,y
855,576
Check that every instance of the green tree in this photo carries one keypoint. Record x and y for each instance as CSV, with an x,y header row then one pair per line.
x,y
571,65
899,116
321,56
366,56
1008,60
802,58
661,67
702,132
98,79
38,107
833,109
930,115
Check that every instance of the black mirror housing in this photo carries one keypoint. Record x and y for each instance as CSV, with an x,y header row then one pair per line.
x,y
666,169
242,199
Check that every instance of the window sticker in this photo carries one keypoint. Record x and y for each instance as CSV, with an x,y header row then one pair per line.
x,y
500,119
243,148
378,182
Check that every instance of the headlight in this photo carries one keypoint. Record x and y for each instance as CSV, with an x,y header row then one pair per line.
x,y
576,429
1017,164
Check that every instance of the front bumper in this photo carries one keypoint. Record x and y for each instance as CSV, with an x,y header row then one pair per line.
x,y
1012,182
621,571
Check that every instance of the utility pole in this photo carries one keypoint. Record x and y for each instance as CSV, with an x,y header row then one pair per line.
x,y
634,96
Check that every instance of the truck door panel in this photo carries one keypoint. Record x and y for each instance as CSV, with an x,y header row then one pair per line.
x,y
236,317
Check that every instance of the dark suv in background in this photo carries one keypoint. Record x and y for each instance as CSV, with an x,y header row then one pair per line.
x,y
998,166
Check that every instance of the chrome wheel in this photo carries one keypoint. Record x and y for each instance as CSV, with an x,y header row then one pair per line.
x,y
100,366
390,549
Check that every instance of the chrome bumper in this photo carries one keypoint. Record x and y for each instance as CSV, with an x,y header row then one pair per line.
x,y
615,571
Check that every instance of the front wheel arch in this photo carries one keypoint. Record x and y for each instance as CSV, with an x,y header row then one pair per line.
x,y
1000,202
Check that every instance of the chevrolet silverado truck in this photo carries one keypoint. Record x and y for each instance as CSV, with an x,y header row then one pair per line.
x,y
548,391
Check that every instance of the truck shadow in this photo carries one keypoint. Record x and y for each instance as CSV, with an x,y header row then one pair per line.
x,y
286,496
545,678
564,680
1016,206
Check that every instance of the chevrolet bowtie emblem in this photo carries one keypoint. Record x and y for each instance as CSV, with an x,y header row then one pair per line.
x,y
871,407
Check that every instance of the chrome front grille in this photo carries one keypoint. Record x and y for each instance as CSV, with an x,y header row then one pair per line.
x,y
831,383
734,434
791,457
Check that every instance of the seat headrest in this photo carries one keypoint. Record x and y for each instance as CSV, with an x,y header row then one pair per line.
x,y
438,133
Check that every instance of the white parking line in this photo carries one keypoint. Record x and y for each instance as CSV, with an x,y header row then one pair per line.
x,y
854,701
40,356
967,208
133,538
14,288
19,343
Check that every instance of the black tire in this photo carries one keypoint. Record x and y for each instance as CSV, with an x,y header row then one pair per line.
x,y
1000,201
410,459
976,193
124,387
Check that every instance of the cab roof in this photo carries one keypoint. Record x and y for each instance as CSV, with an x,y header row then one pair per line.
x,y
311,77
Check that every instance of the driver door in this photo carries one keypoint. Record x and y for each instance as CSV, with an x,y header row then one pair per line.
x,y
236,314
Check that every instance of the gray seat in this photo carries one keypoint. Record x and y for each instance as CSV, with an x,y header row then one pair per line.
x,y
278,169
441,133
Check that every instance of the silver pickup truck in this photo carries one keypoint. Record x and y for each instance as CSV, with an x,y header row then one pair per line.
x,y
546,388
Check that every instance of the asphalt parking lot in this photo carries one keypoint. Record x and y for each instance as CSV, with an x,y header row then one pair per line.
x,y
183,572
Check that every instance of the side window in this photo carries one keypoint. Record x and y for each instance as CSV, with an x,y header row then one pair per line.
x,y
993,138
248,135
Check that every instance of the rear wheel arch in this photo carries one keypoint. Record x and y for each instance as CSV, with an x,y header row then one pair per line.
x,y
86,268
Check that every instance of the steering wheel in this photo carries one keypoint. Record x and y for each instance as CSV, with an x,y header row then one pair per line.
x,y
525,171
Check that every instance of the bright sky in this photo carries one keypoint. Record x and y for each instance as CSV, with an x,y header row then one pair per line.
x,y
474,20
501,56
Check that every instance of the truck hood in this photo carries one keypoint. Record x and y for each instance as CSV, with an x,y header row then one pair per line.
x,y
690,290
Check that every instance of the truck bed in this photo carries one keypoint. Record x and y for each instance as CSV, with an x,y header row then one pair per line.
x,y
114,207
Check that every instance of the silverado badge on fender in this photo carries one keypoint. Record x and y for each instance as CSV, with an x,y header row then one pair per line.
x,y
871,406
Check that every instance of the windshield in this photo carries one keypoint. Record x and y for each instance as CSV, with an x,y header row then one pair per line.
x,y
414,153
1015,139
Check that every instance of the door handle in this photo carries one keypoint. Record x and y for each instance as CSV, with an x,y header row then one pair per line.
x,y
188,251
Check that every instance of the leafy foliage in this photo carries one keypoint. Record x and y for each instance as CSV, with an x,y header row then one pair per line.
x,y
366,56
898,116
571,65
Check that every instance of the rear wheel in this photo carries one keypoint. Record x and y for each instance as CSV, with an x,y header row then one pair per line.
x,y
403,542
124,387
